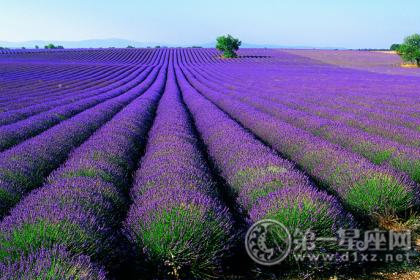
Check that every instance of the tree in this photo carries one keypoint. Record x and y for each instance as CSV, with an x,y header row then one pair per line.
x,y
228,45
395,47
410,49
52,46
130,47
36,47
49,46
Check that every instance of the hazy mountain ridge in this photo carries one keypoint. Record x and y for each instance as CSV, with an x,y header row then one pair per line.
x,y
122,43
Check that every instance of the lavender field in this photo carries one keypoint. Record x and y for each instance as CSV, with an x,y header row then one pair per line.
x,y
153,163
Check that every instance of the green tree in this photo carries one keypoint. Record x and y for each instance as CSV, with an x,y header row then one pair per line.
x,y
410,49
395,47
52,46
228,45
49,46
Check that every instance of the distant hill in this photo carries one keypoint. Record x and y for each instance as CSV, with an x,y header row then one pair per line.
x,y
94,43
274,46
122,43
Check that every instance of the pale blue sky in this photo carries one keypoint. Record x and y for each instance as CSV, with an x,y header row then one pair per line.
x,y
338,23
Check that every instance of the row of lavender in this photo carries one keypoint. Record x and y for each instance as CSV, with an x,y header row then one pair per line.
x,y
352,91
72,223
395,122
293,92
38,103
378,150
48,74
30,88
60,87
37,119
176,218
264,184
44,81
177,222
388,124
71,220
15,133
74,214
367,189
111,56
359,88
25,165
45,74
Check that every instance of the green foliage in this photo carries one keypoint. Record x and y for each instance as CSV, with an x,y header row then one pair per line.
x,y
89,172
381,194
298,216
381,156
43,234
228,45
248,175
256,193
411,167
395,47
181,239
8,200
52,46
410,49
301,215
57,266
130,47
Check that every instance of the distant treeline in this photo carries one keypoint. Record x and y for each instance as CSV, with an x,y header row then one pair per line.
x,y
52,46
163,47
49,46
373,50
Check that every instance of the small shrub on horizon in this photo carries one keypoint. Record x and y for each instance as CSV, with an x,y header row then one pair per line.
x,y
52,46
395,47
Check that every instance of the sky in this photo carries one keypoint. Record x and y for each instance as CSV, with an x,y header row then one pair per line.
x,y
317,23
